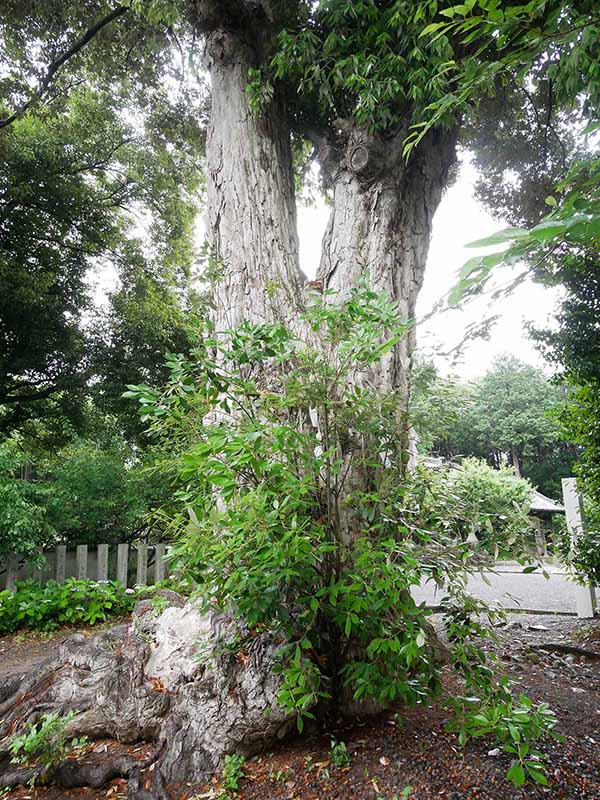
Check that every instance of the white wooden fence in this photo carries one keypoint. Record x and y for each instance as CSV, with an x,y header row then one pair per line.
x,y
135,564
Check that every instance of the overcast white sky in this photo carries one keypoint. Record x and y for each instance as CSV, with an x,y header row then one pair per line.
x,y
459,220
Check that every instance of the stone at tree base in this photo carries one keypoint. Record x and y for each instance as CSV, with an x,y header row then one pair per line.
x,y
160,678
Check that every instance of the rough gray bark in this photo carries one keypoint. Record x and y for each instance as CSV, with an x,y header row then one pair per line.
x,y
251,215
163,678
381,223
380,228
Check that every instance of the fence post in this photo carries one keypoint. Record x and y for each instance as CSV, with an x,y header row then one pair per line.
x,y
102,562
122,563
142,564
585,594
159,562
38,573
82,554
12,570
61,562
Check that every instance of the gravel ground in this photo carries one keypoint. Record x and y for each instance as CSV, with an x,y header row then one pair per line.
x,y
510,588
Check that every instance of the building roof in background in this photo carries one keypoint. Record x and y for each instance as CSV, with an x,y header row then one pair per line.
x,y
539,502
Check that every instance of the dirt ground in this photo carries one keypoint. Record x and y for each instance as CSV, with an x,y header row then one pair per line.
x,y
23,651
408,753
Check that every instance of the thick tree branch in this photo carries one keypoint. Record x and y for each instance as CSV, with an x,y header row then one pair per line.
x,y
41,394
60,61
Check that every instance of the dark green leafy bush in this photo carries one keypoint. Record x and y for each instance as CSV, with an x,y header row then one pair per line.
x,y
585,557
74,602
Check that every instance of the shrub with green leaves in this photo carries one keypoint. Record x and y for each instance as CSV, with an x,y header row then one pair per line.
x,y
476,498
24,523
44,742
74,602
296,513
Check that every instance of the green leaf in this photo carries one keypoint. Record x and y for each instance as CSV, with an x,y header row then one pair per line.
x,y
516,774
503,236
537,775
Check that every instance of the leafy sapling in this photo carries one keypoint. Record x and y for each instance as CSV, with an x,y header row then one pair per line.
x,y
297,514
45,742
232,776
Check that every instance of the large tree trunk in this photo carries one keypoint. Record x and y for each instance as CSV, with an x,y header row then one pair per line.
x,y
251,220
380,224
379,229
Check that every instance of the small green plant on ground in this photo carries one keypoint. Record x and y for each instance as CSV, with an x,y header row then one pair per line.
x,y
339,757
232,776
281,775
404,795
490,708
45,742
516,724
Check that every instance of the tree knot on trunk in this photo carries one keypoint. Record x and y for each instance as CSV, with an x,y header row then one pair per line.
x,y
224,48
370,157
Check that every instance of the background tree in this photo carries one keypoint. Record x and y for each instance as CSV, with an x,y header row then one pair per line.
x,y
490,502
101,492
509,416
91,179
564,247
24,522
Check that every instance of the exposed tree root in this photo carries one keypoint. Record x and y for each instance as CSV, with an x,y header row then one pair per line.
x,y
162,679
557,647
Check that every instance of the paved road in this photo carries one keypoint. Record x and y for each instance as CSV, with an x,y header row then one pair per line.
x,y
512,589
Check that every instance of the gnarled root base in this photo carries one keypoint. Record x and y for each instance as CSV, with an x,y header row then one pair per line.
x,y
162,678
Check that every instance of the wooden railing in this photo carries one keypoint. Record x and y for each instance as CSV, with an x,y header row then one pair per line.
x,y
130,564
